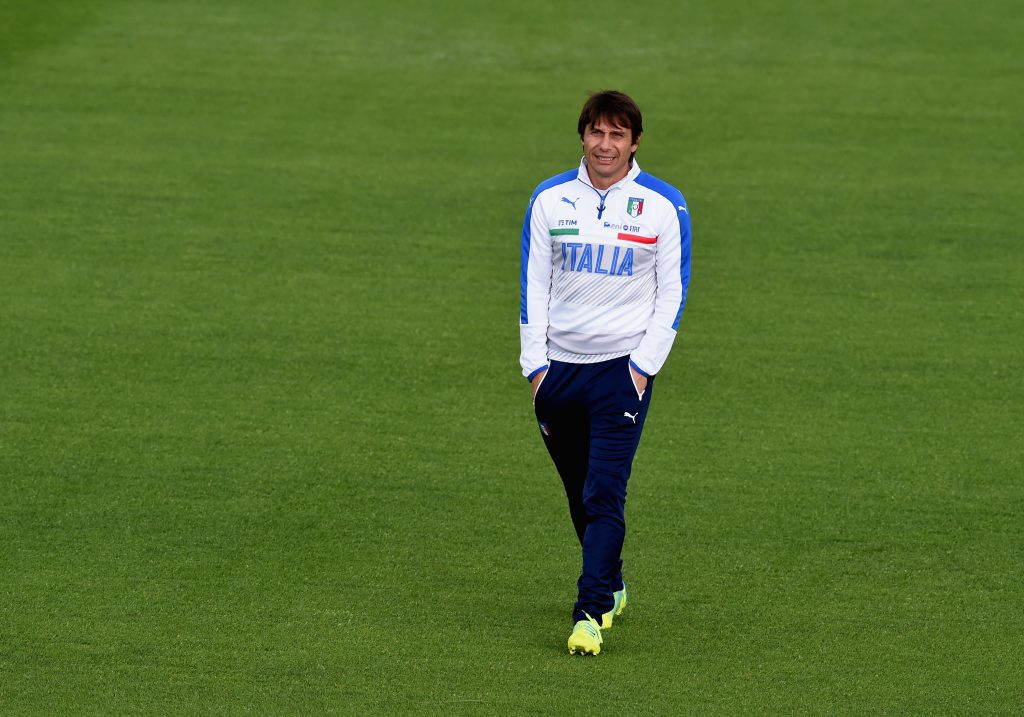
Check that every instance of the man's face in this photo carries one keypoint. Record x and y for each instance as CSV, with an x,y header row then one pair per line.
x,y
607,148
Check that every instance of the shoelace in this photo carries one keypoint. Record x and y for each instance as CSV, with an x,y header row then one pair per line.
x,y
592,629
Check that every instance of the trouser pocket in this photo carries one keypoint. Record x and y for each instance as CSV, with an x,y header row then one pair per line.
x,y
632,382
540,386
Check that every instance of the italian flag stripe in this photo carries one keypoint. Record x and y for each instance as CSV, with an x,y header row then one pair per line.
x,y
565,232
637,238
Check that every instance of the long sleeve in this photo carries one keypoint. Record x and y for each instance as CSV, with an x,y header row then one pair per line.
x,y
672,268
535,288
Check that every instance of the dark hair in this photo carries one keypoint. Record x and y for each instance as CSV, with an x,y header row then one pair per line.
x,y
615,107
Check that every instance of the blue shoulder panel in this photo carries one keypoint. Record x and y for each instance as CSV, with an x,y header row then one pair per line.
x,y
524,248
683,215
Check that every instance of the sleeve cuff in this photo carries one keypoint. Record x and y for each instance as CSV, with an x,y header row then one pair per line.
x,y
536,371
639,370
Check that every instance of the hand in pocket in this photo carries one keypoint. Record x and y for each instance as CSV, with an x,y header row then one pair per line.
x,y
536,381
639,381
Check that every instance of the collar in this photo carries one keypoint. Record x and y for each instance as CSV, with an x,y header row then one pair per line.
x,y
584,176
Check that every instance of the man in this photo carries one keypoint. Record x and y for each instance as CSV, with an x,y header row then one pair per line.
x,y
605,269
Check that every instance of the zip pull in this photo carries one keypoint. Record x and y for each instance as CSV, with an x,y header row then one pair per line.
x,y
602,197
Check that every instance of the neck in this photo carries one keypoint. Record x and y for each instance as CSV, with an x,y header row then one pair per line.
x,y
602,183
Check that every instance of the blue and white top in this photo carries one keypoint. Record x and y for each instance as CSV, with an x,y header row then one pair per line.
x,y
604,273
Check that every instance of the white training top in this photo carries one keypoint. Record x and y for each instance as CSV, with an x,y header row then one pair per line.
x,y
604,273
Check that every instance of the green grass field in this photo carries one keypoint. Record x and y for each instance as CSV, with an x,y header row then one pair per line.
x,y
264,445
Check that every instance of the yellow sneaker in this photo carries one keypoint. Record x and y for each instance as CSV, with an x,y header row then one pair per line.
x,y
585,638
621,600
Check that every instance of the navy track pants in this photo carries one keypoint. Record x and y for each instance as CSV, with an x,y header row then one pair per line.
x,y
591,417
